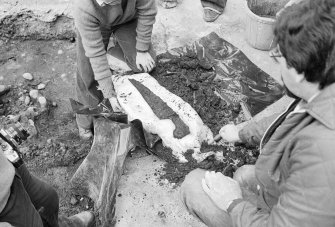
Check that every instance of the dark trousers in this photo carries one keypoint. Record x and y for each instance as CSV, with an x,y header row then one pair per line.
x,y
33,203
125,50
218,5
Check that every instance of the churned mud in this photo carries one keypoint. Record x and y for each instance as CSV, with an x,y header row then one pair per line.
x,y
193,81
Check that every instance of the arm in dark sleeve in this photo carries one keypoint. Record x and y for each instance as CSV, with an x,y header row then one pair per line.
x,y
253,132
307,197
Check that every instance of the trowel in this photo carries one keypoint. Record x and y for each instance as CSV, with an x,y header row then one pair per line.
x,y
103,109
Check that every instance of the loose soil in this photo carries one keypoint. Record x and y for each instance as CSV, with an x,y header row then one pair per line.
x,y
266,9
194,81
54,150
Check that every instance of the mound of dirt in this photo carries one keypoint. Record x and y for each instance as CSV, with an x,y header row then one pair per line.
x,y
230,159
266,9
194,81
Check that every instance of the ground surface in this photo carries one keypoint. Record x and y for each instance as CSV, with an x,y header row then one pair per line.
x,y
55,153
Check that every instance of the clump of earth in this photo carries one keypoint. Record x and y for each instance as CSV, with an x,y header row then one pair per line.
x,y
194,81
264,8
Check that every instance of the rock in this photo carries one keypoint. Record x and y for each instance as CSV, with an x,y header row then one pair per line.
x,y
74,200
33,94
49,141
31,128
30,112
27,100
13,118
41,86
63,76
4,89
54,104
42,101
28,76
60,52
24,150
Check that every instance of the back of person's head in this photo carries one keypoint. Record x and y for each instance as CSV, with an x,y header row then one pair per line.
x,y
306,36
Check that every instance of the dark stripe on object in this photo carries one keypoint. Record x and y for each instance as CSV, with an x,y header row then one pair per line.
x,y
162,110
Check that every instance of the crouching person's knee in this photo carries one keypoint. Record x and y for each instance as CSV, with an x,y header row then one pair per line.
x,y
198,203
191,187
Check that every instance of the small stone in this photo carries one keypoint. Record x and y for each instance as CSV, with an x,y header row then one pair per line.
x,y
53,69
49,141
23,55
54,104
2,78
60,52
31,109
33,94
41,86
43,102
28,76
24,150
4,89
31,128
63,76
73,200
13,118
72,39
30,112
27,100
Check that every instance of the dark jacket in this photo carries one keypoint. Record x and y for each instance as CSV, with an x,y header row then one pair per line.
x,y
296,169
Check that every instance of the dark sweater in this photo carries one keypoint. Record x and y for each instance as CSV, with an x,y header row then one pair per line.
x,y
89,16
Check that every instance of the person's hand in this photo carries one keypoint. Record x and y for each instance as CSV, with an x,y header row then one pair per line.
x,y
221,189
230,133
107,88
144,61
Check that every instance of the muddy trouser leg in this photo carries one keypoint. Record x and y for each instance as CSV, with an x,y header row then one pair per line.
x,y
199,204
218,5
32,202
125,49
86,87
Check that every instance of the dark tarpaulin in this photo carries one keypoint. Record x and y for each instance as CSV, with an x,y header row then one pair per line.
x,y
238,78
